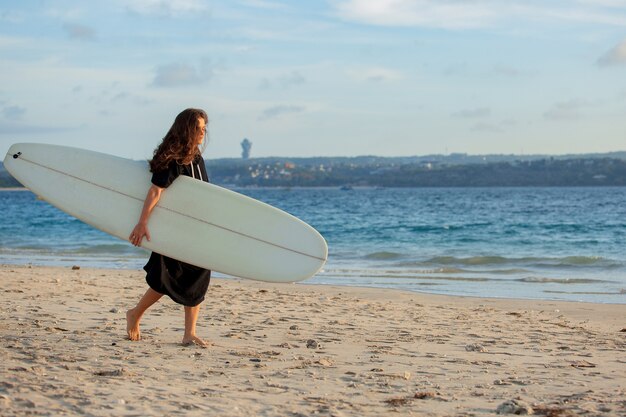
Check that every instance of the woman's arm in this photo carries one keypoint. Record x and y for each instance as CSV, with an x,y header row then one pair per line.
x,y
141,229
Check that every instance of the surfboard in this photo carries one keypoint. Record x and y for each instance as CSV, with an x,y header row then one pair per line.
x,y
195,222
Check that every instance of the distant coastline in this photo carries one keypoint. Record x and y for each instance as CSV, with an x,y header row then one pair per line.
x,y
454,170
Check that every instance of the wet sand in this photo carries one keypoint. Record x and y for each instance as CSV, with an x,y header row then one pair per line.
x,y
300,350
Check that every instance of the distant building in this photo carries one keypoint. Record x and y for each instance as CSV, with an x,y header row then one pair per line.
x,y
246,146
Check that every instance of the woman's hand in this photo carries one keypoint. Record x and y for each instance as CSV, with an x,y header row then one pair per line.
x,y
136,236
141,229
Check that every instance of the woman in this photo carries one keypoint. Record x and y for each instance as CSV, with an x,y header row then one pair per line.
x,y
178,154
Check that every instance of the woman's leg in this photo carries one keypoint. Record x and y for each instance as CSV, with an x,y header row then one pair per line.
x,y
133,316
191,318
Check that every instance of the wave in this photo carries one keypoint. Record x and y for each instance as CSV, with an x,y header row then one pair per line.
x,y
403,275
473,260
567,261
621,292
383,256
544,280
456,270
581,260
108,249
123,250
419,276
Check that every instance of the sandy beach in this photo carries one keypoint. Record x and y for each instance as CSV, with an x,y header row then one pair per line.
x,y
300,350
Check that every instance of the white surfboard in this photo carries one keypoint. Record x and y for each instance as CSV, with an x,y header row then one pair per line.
x,y
195,222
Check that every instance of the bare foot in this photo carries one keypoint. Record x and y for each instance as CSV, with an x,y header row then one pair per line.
x,y
195,340
132,326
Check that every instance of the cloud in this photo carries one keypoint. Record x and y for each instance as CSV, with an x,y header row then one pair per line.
x,y
507,71
376,75
616,56
457,14
276,111
566,110
608,3
485,128
79,32
176,75
456,69
428,13
473,113
262,4
11,16
15,129
13,112
292,79
168,8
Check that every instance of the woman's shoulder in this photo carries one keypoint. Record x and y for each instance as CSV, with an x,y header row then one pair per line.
x,y
171,165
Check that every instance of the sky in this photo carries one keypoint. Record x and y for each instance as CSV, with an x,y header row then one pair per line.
x,y
317,78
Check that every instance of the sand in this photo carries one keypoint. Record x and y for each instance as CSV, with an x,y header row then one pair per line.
x,y
300,350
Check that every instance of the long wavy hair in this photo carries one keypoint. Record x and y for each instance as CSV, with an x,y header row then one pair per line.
x,y
179,144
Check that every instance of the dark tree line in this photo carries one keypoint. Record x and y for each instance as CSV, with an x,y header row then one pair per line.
x,y
398,172
545,172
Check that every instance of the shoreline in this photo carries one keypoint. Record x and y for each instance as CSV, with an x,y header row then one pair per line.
x,y
285,349
337,285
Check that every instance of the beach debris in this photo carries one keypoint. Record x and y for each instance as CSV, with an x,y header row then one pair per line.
x,y
512,380
294,327
553,411
398,402
325,362
75,268
423,395
114,372
583,364
420,395
514,406
114,310
623,330
475,347
56,329
313,344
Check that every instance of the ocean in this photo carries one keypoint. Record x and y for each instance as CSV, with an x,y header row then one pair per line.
x,y
530,243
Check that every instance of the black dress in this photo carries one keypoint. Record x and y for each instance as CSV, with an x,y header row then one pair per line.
x,y
185,284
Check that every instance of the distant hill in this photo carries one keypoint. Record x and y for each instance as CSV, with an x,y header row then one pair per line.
x,y
451,159
420,172
458,170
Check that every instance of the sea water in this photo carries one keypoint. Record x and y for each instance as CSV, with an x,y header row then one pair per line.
x,y
538,243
